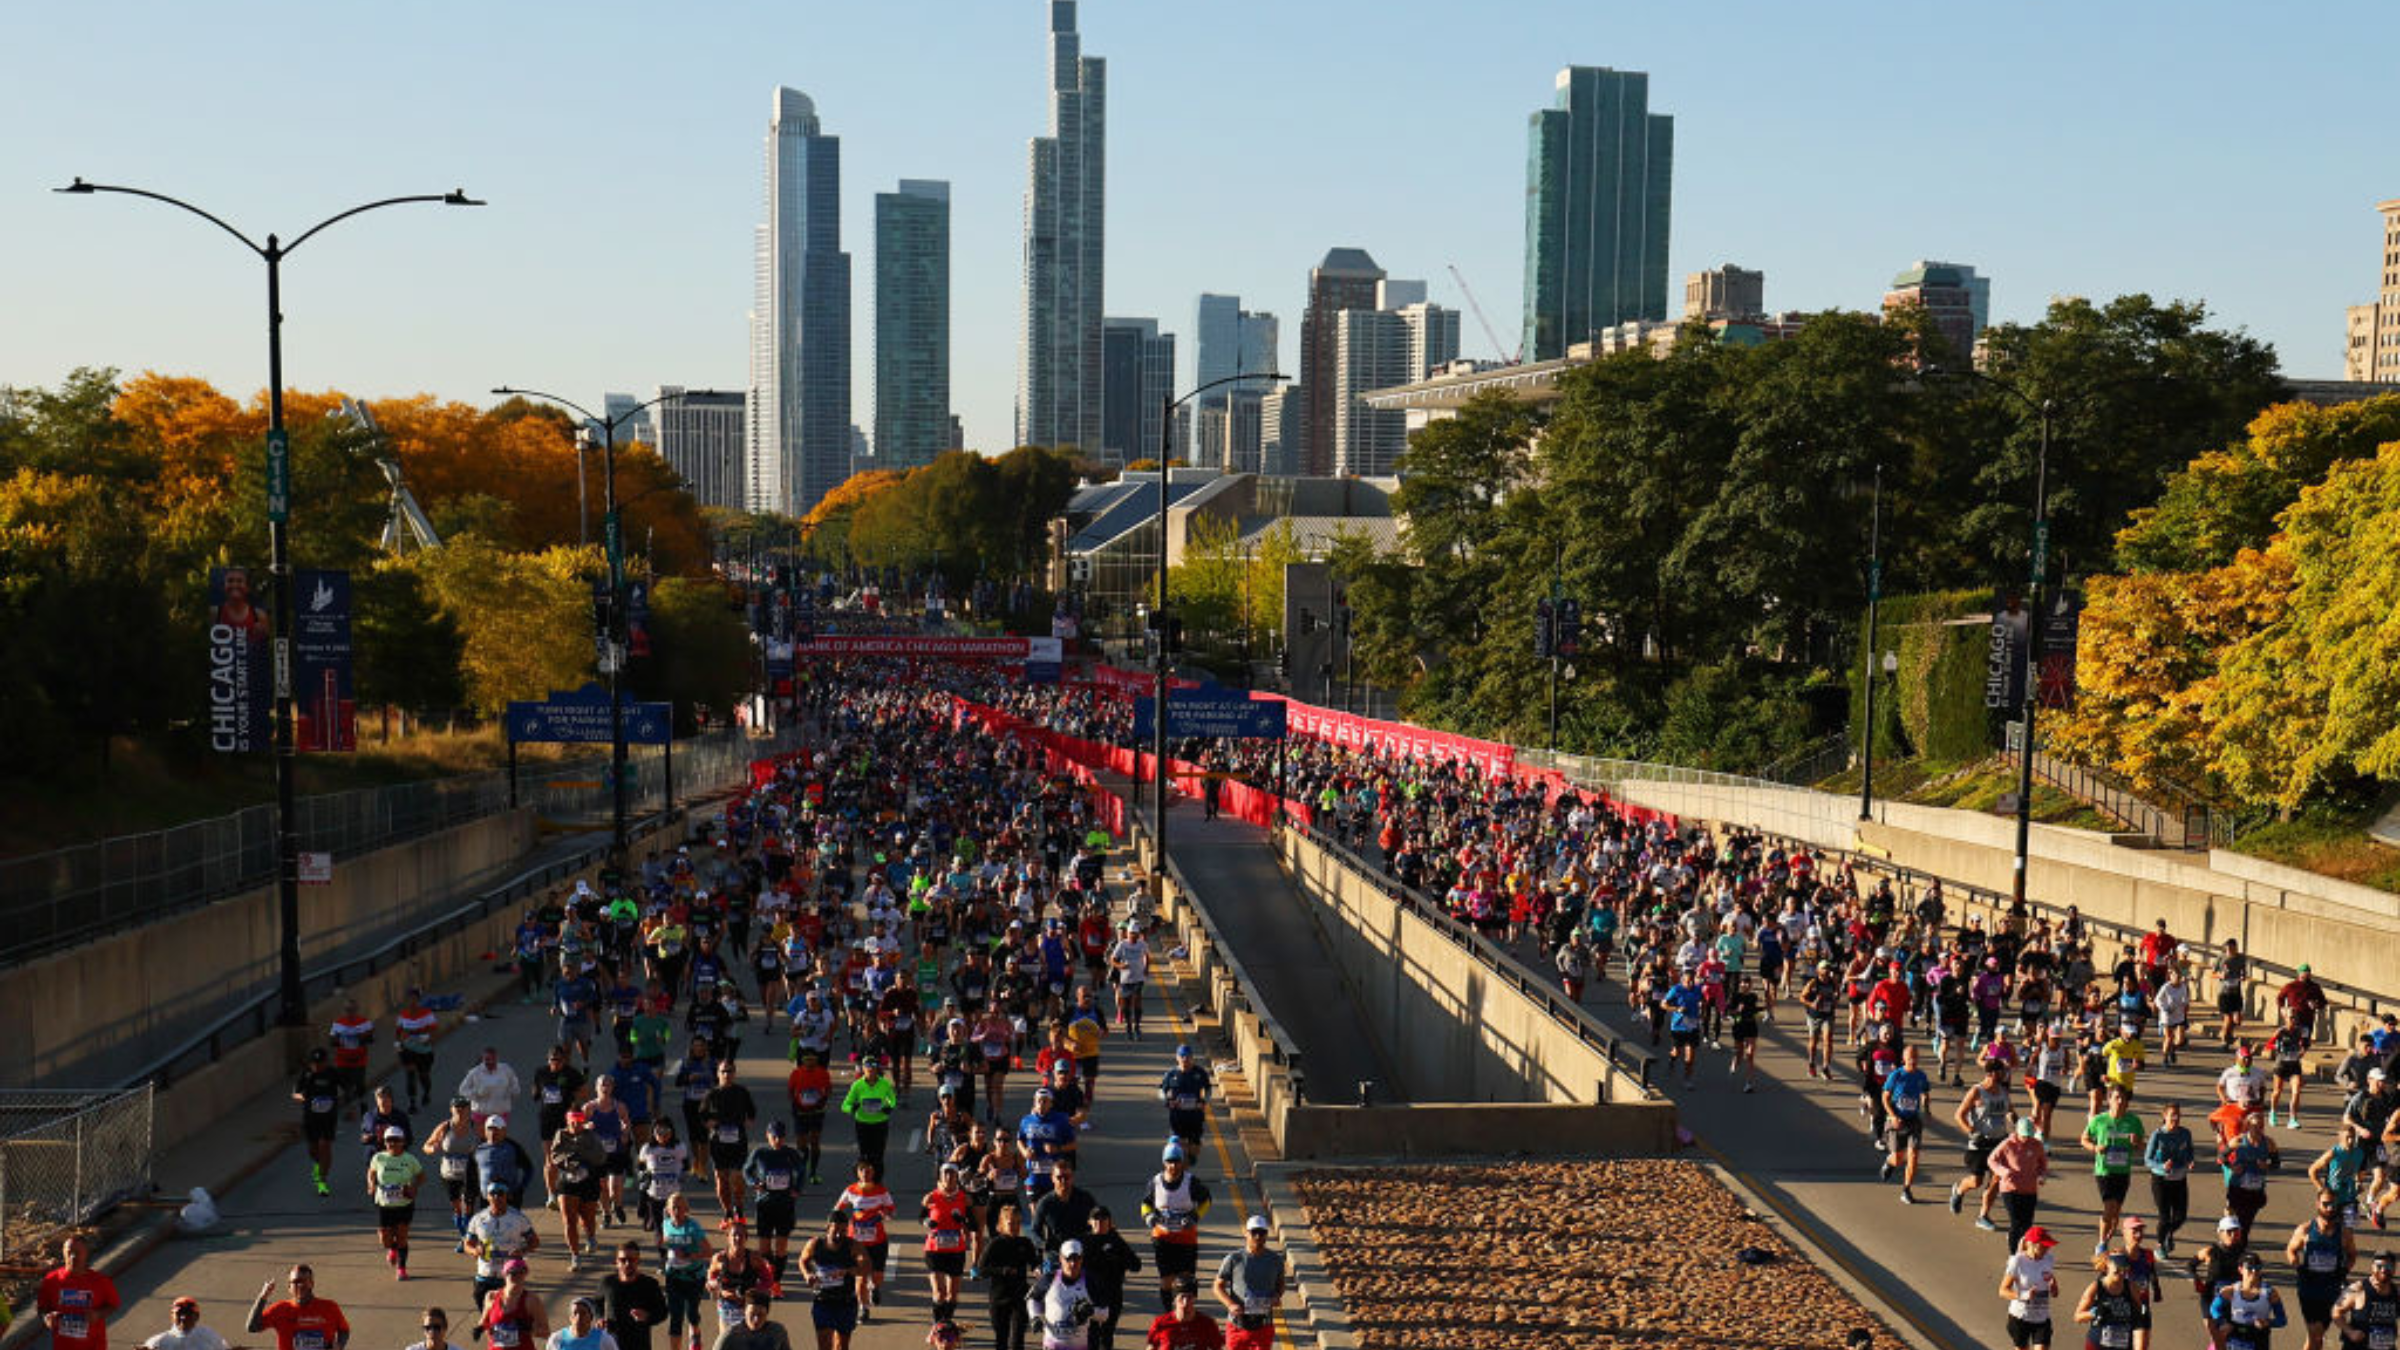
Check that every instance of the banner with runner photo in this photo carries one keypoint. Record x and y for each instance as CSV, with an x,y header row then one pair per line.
x,y
241,677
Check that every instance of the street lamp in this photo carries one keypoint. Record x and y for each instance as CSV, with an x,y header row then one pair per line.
x,y
292,999
613,541
1866,784
1158,725
2045,410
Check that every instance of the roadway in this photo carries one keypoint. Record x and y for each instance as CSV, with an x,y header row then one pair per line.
x,y
273,1217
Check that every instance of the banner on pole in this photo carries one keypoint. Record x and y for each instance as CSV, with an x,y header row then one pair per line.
x,y
325,706
2004,665
240,693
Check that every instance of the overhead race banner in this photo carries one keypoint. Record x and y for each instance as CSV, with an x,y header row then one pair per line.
x,y
923,648
241,684
324,705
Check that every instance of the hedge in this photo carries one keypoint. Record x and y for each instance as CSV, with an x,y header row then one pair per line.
x,y
1932,706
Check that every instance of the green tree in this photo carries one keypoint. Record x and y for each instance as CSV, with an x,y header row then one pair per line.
x,y
703,658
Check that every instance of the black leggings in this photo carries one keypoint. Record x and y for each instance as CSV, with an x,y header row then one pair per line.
x,y
2173,1200
1008,1322
871,1138
2020,1206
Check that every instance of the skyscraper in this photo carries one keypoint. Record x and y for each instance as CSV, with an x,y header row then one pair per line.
x,y
1346,279
1059,398
1953,298
912,324
1139,362
799,423
2373,353
1599,171
1376,349
1229,341
700,435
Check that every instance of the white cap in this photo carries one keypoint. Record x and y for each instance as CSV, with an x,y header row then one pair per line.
x,y
1258,1223
1070,1248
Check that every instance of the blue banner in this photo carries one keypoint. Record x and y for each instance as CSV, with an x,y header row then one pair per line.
x,y
324,706
581,717
1212,712
241,678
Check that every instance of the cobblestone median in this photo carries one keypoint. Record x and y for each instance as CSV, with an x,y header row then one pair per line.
x,y
1570,1255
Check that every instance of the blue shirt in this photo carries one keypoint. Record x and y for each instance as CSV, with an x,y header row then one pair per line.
x,y
1683,1007
1907,1089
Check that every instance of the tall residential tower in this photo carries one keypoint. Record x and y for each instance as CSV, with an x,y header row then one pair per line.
x,y
1599,170
912,324
1059,396
1347,279
799,415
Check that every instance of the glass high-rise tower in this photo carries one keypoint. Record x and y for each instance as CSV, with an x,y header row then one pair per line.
x,y
912,324
1060,400
799,417
1599,171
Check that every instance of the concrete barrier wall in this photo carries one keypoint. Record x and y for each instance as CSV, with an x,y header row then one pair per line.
x,y
2280,915
457,963
1440,1130
97,1012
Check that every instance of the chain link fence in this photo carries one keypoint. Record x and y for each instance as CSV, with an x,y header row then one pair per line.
x,y
52,898
65,1158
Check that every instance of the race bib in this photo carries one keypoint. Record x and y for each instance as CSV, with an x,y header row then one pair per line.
x,y
73,1326
1258,1306
1184,1101
310,1339
811,1099
322,1106
454,1167
2176,1171
947,1240
573,1170
391,1196
1905,1103
2113,1337
553,1095
2383,1338
729,1134
1177,1220
2116,1157
2250,1179
775,1181
2322,1261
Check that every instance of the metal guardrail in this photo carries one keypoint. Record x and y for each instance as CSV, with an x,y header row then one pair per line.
x,y
51,900
1622,1054
1286,1049
257,1017
1812,763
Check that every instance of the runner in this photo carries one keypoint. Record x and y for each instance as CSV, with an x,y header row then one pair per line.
x,y
2289,1048
774,1170
1008,1264
2113,1310
319,1092
1174,1204
2019,1167
1904,1093
1250,1283
513,1317
392,1180
684,1253
2245,1167
452,1144
583,1330
350,1034
490,1086
2369,1313
948,1215
2321,1252
869,1208
415,1023
1061,1303
1820,995
2029,1281
2169,1155
500,1234
2243,1315
612,1120
634,1300
74,1300
1184,1326
1107,1260
835,1266
1685,1004
736,1273
184,1331
301,1321
869,1103
1185,1089
728,1108
2113,1138
1986,1116
571,1172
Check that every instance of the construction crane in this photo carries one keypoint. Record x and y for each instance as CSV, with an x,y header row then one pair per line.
x,y
1515,356
407,520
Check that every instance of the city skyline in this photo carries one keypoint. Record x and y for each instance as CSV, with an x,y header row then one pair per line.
x,y
2081,192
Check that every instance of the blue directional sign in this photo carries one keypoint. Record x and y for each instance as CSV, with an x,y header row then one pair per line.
x,y
581,716
1213,712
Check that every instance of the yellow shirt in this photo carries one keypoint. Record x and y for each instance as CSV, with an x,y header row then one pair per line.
x,y
2123,1056
1084,1035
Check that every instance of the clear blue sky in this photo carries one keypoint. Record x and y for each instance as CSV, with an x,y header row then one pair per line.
x,y
2226,152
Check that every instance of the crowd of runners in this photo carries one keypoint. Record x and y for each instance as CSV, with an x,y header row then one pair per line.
x,y
1942,1022
924,917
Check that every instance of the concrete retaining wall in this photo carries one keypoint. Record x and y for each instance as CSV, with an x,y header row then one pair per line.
x,y
1440,1130
97,1012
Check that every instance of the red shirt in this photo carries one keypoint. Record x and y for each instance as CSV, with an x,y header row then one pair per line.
x,y
2158,949
81,1302
946,1219
1167,1332
1892,997
316,1325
